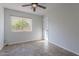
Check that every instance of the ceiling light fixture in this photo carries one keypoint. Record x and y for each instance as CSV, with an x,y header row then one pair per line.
x,y
34,6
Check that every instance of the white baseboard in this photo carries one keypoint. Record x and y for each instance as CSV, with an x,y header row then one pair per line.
x,y
64,48
19,42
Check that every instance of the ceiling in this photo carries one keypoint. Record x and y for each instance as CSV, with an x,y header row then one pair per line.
x,y
39,11
17,6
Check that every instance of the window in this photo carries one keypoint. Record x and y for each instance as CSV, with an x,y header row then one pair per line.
x,y
21,24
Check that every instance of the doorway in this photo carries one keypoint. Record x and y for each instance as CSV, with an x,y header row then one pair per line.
x,y
45,28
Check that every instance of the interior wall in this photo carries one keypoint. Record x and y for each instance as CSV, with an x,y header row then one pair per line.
x,y
17,37
1,27
64,26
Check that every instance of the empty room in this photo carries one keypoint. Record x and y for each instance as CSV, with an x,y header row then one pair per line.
x,y
39,29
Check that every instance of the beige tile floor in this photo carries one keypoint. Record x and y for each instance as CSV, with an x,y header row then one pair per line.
x,y
35,48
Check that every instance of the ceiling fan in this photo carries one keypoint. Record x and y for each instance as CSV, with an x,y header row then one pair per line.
x,y
34,6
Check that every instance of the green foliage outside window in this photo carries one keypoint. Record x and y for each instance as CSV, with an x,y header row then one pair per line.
x,y
20,25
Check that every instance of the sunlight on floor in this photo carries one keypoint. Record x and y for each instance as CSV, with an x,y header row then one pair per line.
x,y
46,45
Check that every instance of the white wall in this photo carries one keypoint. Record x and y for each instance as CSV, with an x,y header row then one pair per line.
x,y
1,27
17,37
64,26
